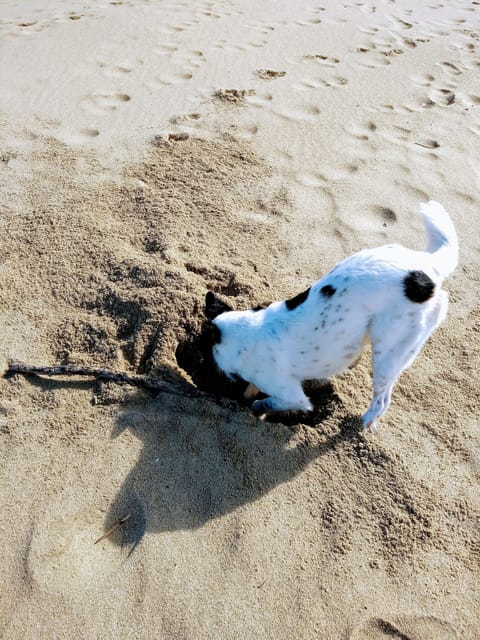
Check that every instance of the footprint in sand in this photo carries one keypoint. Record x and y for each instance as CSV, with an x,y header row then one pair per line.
x,y
334,81
320,83
269,74
117,71
475,129
442,97
423,79
450,69
362,133
371,59
308,23
319,9
364,7
247,132
306,84
185,118
62,557
403,108
158,82
403,24
260,100
321,59
306,113
175,65
79,137
405,627
170,29
253,44
311,179
165,49
104,103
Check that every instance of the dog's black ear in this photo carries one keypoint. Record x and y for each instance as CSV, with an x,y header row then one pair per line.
x,y
214,306
211,335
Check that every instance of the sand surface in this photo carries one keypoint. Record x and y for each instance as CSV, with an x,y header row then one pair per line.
x,y
152,150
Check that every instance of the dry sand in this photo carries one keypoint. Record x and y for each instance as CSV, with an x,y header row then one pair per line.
x,y
152,150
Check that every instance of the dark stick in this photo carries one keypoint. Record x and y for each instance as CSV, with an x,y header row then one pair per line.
x,y
185,390
99,374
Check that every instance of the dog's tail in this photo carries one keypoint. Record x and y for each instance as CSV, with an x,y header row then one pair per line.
x,y
442,241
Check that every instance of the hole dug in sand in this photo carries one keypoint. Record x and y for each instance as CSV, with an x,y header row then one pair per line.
x,y
192,355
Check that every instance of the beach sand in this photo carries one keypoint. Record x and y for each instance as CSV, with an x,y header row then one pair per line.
x,y
150,151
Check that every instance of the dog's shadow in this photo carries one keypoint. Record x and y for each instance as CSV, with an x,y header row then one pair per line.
x,y
204,457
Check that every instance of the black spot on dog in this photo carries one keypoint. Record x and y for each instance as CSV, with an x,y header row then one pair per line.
x,y
327,290
418,287
293,303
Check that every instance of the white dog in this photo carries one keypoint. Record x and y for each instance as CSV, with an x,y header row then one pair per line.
x,y
390,295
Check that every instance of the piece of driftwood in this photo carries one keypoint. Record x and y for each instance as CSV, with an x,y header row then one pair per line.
x,y
98,373
184,389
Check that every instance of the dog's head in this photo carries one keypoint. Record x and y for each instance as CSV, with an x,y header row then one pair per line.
x,y
216,330
211,333
195,354
219,381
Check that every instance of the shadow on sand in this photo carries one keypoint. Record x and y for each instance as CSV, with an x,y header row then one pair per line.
x,y
203,457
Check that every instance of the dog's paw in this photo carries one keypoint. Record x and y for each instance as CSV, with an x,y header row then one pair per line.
x,y
369,422
260,407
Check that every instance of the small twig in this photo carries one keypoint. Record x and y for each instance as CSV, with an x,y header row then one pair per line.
x,y
115,527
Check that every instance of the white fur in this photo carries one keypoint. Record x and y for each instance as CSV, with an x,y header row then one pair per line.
x,y
276,349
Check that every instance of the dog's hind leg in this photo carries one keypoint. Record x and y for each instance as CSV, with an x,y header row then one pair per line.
x,y
285,396
394,349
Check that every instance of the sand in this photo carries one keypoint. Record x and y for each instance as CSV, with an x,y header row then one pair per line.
x,y
150,151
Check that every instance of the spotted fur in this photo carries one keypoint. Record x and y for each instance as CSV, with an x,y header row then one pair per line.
x,y
390,295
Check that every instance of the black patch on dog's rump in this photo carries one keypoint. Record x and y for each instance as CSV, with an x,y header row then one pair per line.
x,y
418,287
328,290
214,306
295,302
